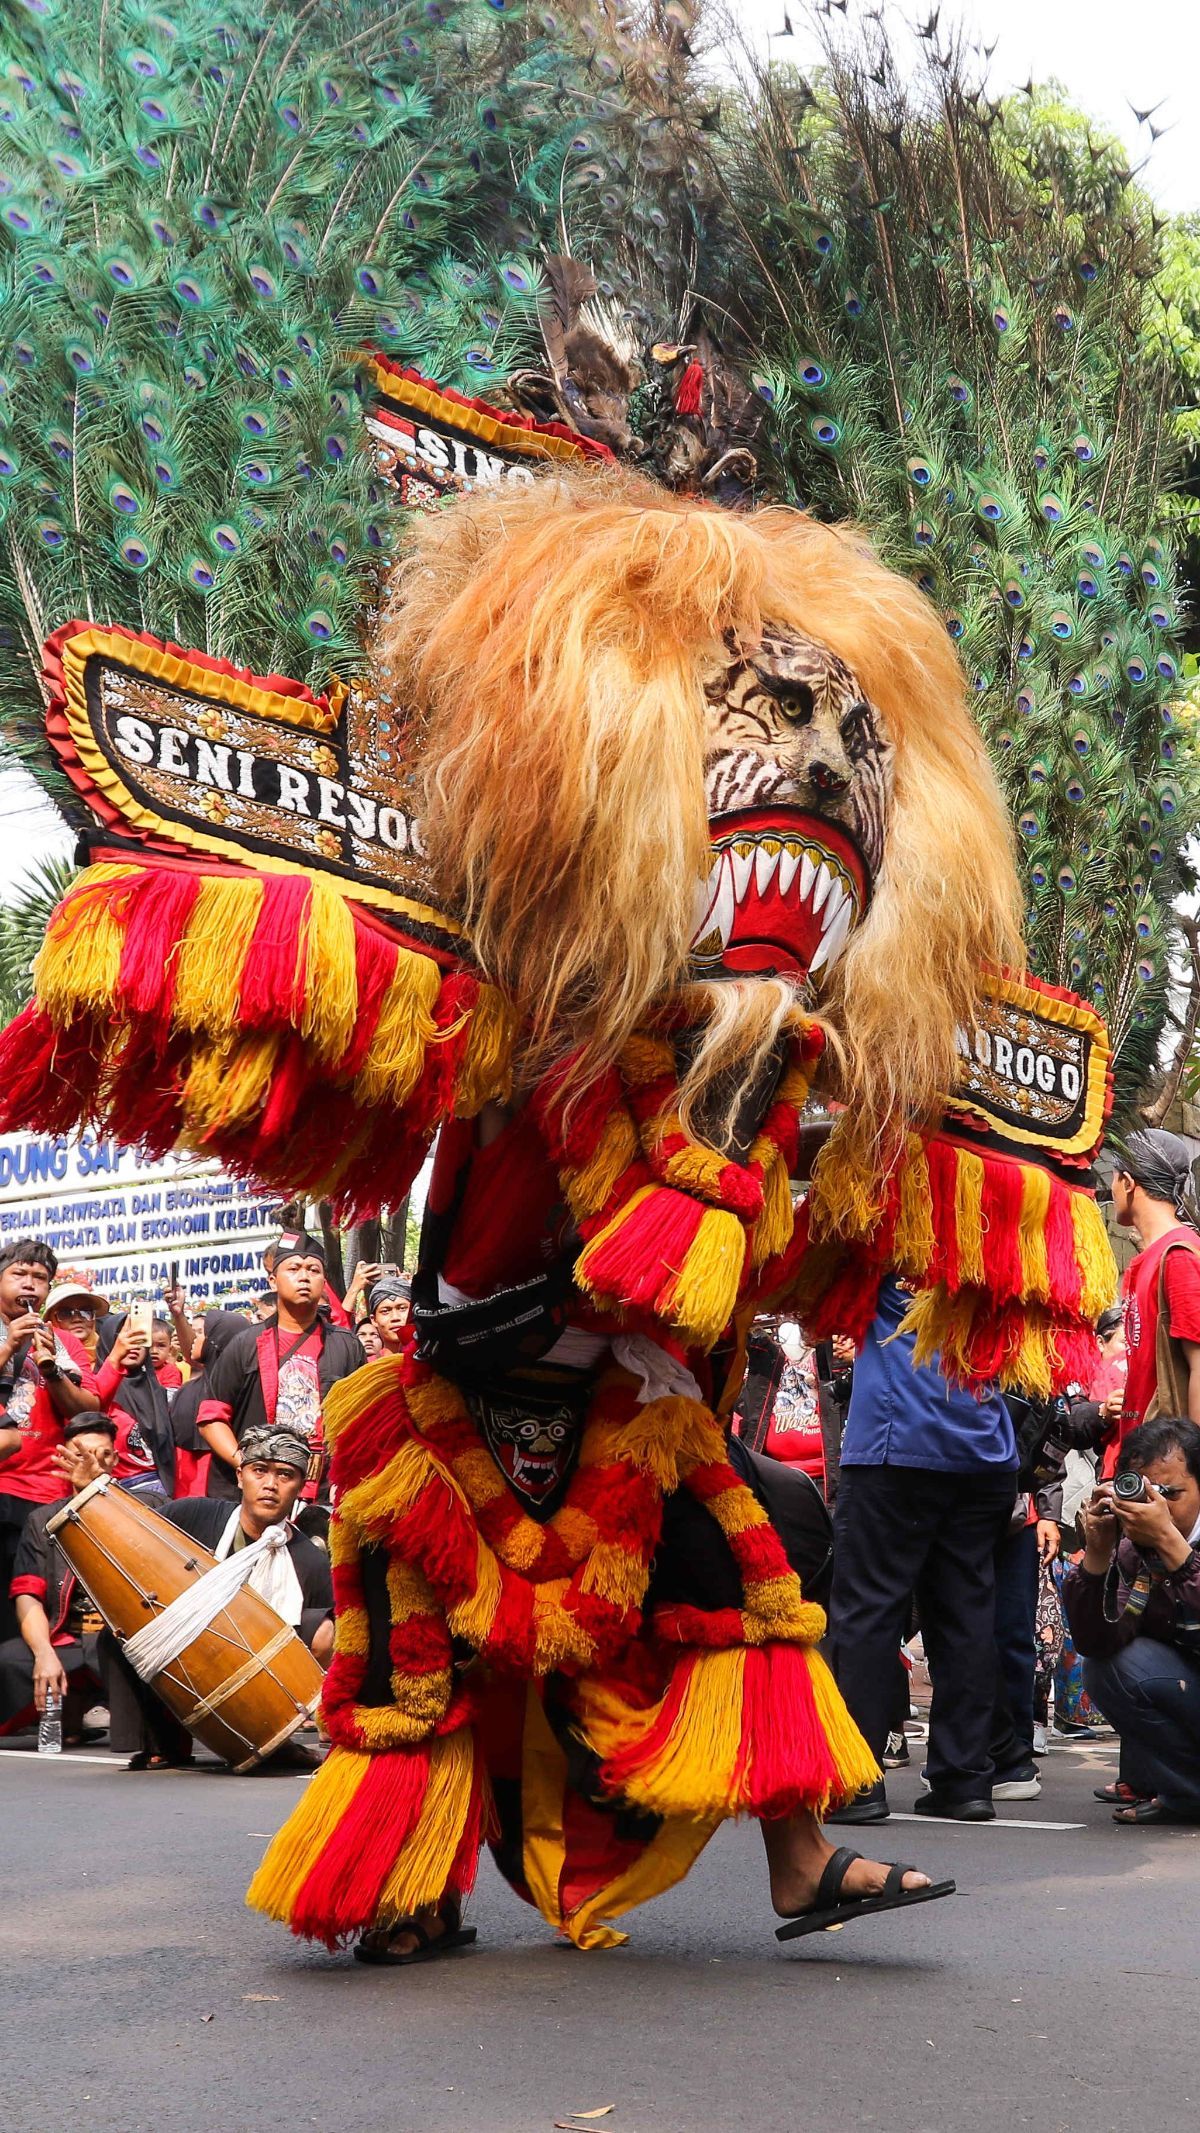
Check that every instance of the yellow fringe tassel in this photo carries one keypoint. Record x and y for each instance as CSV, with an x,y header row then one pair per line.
x,y
360,1394
375,1503
1031,1233
420,1874
227,1084
915,1238
79,963
1032,1370
845,1197
472,1617
695,1773
1094,1254
212,956
968,1216
666,1434
485,1075
856,1766
692,1169
773,1229
701,1298
588,1188
615,1574
404,1030
331,967
291,1856
387,1726
932,1317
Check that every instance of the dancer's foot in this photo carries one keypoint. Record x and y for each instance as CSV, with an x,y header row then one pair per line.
x,y
798,1852
434,1930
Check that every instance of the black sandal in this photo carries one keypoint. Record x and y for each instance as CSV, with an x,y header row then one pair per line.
x,y
832,1909
1141,1811
456,1935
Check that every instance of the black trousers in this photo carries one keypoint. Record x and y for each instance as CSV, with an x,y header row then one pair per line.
x,y
14,1510
79,1664
904,1531
1016,1650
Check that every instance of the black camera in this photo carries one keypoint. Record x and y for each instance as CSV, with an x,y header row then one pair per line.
x,y
1130,1488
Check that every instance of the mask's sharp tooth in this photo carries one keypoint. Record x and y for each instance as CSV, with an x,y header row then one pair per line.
x,y
789,860
833,904
807,876
725,905
743,866
765,864
833,942
824,883
706,896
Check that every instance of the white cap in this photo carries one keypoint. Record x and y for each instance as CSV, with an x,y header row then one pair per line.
x,y
75,1292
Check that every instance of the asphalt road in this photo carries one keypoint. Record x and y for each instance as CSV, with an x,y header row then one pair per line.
x,y
1058,1990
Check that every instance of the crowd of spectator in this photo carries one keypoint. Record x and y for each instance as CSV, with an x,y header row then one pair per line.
x,y
1042,1556
215,1419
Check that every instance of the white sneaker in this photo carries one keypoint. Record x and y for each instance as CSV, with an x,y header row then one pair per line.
x,y
1019,1789
1041,1744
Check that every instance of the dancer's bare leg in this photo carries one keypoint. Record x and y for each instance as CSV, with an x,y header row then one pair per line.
x,y
797,1851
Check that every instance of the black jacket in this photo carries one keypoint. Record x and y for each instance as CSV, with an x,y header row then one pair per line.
x,y
234,1384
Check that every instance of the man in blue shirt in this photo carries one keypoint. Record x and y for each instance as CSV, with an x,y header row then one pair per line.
x,y
928,1483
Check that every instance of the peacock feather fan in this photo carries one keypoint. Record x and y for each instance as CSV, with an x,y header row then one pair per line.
x,y
992,397
206,209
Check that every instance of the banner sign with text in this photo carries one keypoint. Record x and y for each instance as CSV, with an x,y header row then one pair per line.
x,y
121,1220
1035,1077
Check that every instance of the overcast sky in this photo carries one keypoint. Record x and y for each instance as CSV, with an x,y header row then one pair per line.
x,y
1106,52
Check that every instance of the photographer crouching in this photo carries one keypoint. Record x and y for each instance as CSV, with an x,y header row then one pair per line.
x,y
1133,1605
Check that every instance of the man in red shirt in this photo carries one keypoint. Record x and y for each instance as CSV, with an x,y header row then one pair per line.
x,y
277,1374
1151,1186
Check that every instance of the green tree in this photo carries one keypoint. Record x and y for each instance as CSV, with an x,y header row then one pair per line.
x,y
23,921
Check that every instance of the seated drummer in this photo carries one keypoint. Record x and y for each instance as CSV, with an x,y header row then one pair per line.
x,y
280,1371
56,1651
272,1464
296,1581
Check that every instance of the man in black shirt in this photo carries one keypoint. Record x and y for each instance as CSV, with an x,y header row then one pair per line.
x,y
297,1582
281,1371
273,1464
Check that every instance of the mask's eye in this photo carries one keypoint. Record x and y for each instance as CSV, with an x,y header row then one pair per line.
x,y
796,702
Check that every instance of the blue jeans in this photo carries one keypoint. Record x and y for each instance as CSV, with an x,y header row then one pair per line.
x,y
1151,1693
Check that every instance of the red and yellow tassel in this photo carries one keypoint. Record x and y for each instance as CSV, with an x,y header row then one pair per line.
x,y
375,1838
759,1731
228,1009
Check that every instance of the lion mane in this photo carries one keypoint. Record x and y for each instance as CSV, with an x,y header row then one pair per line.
x,y
552,641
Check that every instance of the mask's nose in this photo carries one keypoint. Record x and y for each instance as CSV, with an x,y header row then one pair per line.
x,y
828,778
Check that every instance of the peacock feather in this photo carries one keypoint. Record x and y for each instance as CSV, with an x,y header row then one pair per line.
x,y
206,209
995,399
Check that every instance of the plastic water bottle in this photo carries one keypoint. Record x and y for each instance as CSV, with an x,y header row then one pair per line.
x,y
50,1726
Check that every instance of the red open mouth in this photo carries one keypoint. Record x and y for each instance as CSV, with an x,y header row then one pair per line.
x,y
533,1473
783,895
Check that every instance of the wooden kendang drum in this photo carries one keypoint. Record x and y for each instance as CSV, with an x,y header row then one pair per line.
x,y
246,1682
